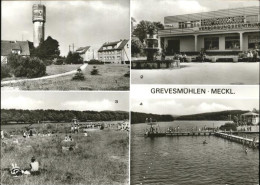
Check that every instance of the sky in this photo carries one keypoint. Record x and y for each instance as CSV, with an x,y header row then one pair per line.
x,y
81,101
156,10
191,106
244,98
83,23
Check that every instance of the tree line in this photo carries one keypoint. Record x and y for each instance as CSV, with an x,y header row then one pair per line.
x,y
216,116
33,116
137,117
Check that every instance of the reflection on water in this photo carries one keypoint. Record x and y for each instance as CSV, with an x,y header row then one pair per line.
x,y
185,160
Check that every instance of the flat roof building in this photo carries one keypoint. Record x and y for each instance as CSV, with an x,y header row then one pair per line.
x,y
250,118
227,31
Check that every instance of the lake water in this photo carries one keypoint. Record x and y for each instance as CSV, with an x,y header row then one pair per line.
x,y
185,160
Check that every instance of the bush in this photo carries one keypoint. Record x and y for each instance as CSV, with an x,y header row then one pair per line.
x,y
59,61
94,61
26,66
228,127
47,62
5,71
127,74
94,71
79,70
79,76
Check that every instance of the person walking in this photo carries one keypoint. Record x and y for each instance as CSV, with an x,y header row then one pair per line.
x,y
250,56
163,55
255,53
184,57
181,57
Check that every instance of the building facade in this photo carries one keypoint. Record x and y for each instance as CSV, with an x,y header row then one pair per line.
x,y
115,52
14,47
227,31
86,53
38,19
250,118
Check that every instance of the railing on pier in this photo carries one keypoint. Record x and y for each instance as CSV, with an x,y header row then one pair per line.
x,y
225,135
245,141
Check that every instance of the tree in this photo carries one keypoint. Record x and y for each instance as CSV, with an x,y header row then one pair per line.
x,y
94,71
79,76
136,46
5,71
47,50
145,27
255,110
74,58
235,119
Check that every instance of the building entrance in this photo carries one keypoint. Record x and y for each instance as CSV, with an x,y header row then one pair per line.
x,y
173,46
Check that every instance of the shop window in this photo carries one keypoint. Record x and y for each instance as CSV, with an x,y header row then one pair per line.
x,y
232,43
211,43
253,42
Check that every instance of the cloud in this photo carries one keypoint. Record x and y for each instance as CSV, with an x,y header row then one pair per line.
x,y
88,105
81,23
208,107
20,102
178,107
156,10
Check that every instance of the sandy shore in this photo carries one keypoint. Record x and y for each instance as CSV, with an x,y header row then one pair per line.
x,y
200,73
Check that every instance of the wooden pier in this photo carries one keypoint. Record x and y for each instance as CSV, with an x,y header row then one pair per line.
x,y
163,134
225,135
245,141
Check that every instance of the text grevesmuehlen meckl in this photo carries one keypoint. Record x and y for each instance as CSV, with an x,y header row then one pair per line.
x,y
191,91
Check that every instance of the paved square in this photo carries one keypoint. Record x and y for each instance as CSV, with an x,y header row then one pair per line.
x,y
200,73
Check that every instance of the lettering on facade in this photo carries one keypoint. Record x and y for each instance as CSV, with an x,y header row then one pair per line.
x,y
231,26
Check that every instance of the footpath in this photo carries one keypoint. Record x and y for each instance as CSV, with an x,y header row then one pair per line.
x,y
83,67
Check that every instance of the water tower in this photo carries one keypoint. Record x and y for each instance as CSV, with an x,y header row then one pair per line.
x,y
38,19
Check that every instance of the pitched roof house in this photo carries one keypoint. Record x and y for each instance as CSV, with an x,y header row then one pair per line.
x,y
115,52
85,53
15,47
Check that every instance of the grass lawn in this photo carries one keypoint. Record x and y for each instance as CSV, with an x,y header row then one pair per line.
x,y
111,77
100,158
57,69
51,70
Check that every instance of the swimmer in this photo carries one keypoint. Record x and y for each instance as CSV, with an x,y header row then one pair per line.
x,y
205,142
